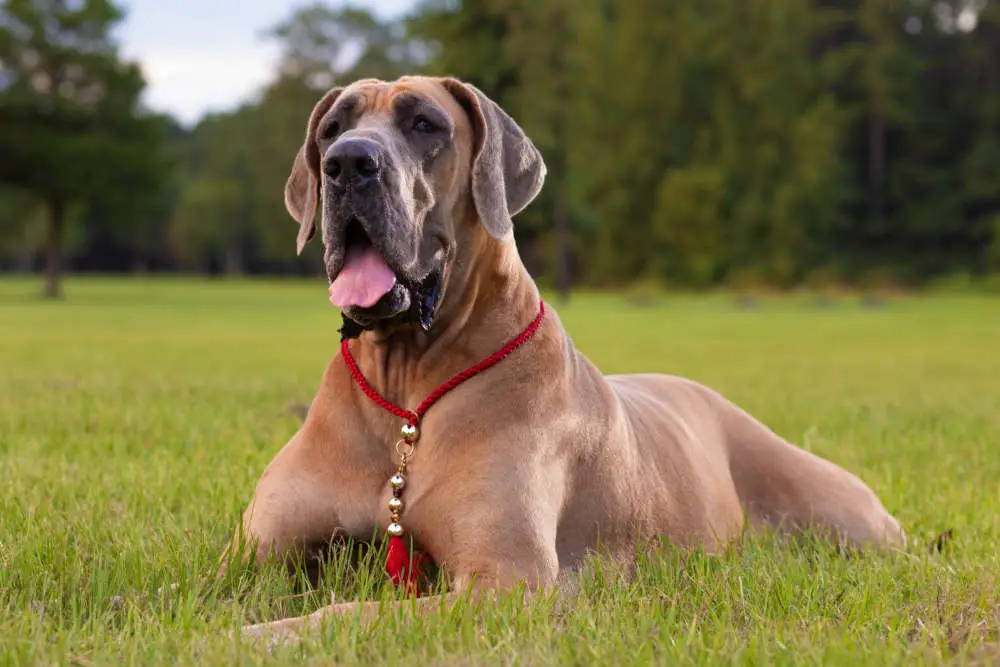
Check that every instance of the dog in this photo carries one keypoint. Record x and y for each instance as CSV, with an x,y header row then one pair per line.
x,y
522,470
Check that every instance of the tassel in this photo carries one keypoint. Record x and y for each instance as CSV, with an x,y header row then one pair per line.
x,y
397,562
401,570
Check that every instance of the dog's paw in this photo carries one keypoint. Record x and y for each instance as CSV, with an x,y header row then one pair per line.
x,y
285,632
260,635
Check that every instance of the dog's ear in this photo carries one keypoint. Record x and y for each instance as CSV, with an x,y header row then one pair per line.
x,y
507,169
302,190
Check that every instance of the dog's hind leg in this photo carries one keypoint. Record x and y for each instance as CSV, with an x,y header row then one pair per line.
x,y
788,488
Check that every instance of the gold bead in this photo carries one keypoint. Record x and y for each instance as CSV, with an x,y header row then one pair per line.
x,y
397,481
394,529
409,432
395,505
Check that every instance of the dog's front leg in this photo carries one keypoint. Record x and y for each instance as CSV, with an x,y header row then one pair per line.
x,y
290,630
490,536
299,502
497,561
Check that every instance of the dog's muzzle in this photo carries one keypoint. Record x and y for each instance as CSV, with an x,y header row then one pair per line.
x,y
366,280
422,301
368,291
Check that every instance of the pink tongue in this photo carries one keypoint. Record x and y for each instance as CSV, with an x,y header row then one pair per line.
x,y
364,279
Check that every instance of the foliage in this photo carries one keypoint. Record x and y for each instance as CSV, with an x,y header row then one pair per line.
x,y
696,142
71,132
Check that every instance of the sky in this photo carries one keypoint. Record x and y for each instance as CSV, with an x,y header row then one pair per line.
x,y
209,55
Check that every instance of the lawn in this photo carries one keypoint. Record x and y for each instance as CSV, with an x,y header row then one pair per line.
x,y
135,417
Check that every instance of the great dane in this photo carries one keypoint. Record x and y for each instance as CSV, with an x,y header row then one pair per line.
x,y
524,469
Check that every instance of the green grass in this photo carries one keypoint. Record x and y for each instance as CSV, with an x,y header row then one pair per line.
x,y
135,418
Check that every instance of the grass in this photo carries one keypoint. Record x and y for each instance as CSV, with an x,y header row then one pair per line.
x,y
136,416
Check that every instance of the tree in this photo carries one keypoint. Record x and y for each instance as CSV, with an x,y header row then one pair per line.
x,y
979,94
215,220
694,141
231,210
507,48
202,230
19,213
71,131
323,46
277,124
468,40
547,102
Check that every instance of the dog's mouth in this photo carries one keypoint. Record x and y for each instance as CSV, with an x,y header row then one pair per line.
x,y
367,290
364,277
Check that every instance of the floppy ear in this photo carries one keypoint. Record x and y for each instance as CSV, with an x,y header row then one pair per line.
x,y
302,189
507,169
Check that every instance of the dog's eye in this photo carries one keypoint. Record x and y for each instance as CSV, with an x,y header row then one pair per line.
x,y
330,131
421,124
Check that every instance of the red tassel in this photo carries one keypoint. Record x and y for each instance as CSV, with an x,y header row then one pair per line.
x,y
402,571
397,562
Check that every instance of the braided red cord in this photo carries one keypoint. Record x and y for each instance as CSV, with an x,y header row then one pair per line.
x,y
413,417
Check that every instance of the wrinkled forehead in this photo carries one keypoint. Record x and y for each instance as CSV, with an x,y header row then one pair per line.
x,y
371,102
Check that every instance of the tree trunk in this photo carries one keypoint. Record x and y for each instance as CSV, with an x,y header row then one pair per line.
x,y
560,160
877,91
876,166
561,214
233,261
26,256
53,249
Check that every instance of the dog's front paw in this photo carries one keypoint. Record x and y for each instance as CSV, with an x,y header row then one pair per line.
x,y
285,632
262,635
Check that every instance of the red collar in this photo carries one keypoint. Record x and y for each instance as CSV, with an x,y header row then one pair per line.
x,y
398,560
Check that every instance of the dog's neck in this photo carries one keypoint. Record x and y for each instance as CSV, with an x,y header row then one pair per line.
x,y
488,298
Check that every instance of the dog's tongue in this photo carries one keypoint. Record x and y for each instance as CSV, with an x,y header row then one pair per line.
x,y
364,279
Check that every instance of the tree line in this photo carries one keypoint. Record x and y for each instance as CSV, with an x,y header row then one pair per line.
x,y
691,142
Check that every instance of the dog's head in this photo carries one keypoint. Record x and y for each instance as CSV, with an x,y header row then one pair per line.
x,y
398,168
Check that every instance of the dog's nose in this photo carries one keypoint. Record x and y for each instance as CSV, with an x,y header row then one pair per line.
x,y
353,160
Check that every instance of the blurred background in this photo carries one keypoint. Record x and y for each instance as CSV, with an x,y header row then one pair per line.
x,y
690,143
